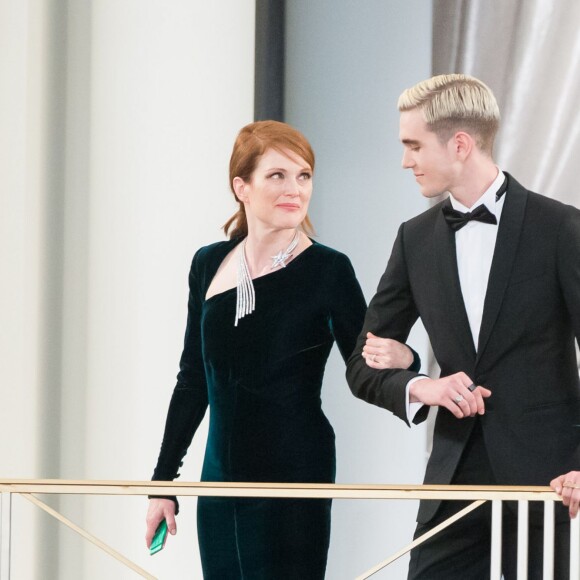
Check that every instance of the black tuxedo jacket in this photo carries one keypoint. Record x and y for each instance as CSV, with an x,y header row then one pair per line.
x,y
525,355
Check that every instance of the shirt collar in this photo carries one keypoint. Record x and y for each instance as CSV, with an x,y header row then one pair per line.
x,y
488,198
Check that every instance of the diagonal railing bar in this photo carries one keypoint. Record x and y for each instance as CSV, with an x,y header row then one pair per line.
x,y
444,524
100,544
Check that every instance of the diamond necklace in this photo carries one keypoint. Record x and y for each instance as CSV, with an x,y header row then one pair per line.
x,y
246,295
280,258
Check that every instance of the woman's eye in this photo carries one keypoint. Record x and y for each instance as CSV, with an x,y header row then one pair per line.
x,y
276,175
306,176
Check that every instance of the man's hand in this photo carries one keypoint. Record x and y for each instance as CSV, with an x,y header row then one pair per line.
x,y
457,393
567,486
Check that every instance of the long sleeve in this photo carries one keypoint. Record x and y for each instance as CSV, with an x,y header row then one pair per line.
x,y
391,314
189,400
348,305
569,266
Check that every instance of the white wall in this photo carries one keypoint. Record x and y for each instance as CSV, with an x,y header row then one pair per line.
x,y
347,62
117,119
116,123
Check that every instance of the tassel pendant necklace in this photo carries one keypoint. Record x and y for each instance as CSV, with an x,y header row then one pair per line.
x,y
246,295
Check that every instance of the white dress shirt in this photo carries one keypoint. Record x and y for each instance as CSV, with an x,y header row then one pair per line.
x,y
475,244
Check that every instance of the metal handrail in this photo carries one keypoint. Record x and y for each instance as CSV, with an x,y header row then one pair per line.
x,y
305,490
477,494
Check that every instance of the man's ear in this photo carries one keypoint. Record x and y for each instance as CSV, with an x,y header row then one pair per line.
x,y
239,187
463,144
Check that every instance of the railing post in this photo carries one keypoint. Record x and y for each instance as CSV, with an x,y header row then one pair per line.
x,y
5,533
549,540
523,533
496,520
575,548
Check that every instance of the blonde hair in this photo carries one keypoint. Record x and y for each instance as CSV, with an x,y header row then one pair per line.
x,y
251,143
455,102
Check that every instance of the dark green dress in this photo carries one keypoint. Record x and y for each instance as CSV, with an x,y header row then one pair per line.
x,y
262,381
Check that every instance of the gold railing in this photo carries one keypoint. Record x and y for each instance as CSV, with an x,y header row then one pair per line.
x,y
477,494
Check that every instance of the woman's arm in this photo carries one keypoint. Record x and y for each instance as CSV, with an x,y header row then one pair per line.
x,y
186,409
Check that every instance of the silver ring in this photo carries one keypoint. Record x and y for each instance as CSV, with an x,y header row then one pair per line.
x,y
472,387
458,399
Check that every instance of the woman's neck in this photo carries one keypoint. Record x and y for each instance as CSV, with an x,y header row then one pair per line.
x,y
260,247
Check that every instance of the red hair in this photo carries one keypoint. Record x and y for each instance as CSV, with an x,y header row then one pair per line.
x,y
251,143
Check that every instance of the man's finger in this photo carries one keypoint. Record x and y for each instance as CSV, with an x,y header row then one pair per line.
x,y
480,403
556,484
455,410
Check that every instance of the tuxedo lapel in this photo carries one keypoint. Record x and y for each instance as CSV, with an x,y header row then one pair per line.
x,y
504,254
449,276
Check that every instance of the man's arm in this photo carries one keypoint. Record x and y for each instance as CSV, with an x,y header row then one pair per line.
x,y
391,314
567,486
569,265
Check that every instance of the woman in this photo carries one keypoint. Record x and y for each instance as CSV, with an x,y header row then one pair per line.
x,y
264,310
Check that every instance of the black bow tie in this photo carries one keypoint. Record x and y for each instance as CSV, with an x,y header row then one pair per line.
x,y
457,219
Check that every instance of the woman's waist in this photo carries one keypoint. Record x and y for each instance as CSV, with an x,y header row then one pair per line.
x,y
318,467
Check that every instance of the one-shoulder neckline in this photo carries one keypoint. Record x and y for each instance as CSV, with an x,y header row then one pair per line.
x,y
264,276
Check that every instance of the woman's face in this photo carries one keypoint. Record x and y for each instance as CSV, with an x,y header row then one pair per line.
x,y
278,193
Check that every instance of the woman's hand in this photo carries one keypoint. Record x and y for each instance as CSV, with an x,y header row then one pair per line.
x,y
386,353
159,510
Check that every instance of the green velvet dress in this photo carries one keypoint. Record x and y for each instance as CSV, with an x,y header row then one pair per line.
x,y
262,381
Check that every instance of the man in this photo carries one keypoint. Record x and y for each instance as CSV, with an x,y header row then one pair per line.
x,y
494,274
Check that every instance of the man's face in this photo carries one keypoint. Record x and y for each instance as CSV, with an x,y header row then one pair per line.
x,y
433,163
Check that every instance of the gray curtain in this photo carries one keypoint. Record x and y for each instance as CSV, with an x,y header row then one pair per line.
x,y
528,52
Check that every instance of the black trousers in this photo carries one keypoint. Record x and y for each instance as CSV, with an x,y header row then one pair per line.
x,y
463,550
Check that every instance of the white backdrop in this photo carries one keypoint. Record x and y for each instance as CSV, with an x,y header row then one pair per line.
x,y
347,63
117,119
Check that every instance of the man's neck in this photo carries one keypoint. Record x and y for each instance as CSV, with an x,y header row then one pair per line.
x,y
474,182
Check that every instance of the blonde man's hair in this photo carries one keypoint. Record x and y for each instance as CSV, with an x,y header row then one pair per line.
x,y
455,102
